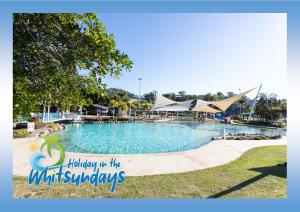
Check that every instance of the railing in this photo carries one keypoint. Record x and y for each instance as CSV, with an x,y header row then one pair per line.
x,y
54,116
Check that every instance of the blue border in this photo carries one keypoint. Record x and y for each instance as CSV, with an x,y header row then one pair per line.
x,y
7,201
151,6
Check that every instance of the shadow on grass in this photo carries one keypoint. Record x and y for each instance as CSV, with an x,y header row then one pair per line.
x,y
278,171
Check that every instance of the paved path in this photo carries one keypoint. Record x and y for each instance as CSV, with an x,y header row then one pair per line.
x,y
213,154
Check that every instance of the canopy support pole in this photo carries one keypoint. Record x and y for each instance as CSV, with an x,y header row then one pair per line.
x,y
254,103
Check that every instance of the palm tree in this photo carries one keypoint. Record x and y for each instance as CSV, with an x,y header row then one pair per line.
x,y
122,106
146,106
113,104
133,105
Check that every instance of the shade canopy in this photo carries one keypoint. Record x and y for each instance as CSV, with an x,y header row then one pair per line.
x,y
164,104
161,101
206,109
173,108
225,103
200,103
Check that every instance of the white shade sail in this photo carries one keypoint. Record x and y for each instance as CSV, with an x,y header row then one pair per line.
x,y
225,103
161,101
164,104
206,109
200,103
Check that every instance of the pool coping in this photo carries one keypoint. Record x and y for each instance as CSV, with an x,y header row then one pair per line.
x,y
215,153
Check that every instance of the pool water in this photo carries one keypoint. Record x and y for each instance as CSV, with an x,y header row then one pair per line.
x,y
142,138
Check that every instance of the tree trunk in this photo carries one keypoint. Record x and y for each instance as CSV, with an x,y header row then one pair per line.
x,y
44,113
48,118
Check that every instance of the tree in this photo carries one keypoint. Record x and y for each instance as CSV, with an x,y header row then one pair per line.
x,y
220,95
182,93
230,94
24,101
50,50
149,97
171,96
269,107
122,106
113,104
146,105
210,97
133,105
118,93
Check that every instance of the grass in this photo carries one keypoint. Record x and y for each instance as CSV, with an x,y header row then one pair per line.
x,y
255,174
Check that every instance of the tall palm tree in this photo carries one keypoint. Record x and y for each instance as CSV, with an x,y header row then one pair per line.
x,y
113,104
133,105
122,106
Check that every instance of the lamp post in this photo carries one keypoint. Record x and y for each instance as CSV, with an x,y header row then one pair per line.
x,y
139,99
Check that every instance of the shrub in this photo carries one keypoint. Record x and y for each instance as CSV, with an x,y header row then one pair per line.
x,y
52,125
40,125
22,133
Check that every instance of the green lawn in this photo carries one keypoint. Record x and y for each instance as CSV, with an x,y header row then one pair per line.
x,y
254,175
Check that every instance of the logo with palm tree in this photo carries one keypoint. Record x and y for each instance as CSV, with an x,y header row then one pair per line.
x,y
51,142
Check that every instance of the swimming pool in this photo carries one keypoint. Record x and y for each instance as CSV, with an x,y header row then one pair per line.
x,y
142,138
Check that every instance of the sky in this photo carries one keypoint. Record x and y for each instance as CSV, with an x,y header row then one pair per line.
x,y
201,53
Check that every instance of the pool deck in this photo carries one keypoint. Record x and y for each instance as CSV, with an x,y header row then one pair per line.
x,y
215,153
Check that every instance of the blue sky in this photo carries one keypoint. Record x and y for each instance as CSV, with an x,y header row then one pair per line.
x,y
201,53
